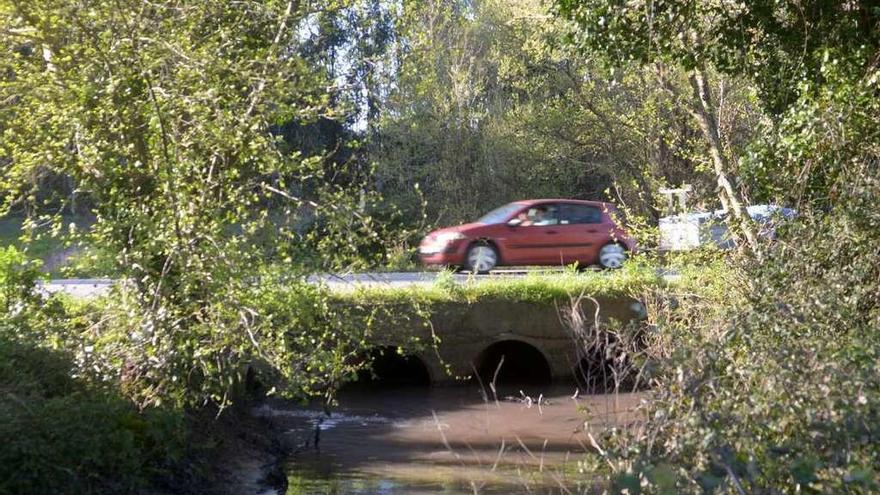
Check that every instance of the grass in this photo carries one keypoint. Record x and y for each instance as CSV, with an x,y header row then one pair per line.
x,y
11,230
539,287
83,261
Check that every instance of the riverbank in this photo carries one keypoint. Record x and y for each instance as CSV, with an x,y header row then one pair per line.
x,y
245,454
65,434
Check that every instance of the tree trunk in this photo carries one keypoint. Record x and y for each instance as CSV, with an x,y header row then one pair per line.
x,y
706,117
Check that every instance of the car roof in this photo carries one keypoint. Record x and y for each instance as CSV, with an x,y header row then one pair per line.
x,y
530,202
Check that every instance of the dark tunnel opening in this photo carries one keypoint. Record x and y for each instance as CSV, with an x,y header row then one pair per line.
x,y
390,369
520,364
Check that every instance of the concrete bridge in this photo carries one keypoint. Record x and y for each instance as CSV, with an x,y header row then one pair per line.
x,y
530,336
535,343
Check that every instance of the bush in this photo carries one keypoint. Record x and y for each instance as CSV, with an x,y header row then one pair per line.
x,y
61,431
17,278
778,391
63,436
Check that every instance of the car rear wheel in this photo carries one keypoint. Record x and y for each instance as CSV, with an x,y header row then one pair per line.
x,y
612,256
481,258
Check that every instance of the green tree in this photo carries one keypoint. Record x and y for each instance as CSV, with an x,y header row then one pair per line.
x,y
163,114
489,106
770,381
698,37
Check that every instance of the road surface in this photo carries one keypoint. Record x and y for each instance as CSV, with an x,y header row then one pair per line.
x,y
78,287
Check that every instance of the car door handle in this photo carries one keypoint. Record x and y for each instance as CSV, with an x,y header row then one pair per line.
x,y
592,231
551,231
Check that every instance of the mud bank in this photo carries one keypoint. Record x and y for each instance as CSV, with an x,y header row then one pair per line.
x,y
235,453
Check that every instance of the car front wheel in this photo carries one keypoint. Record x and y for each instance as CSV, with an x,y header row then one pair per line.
x,y
481,258
612,256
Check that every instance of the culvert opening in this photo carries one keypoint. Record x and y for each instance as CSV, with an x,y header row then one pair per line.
x,y
387,368
520,364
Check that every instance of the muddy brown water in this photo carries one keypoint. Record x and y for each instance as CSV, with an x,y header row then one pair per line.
x,y
448,440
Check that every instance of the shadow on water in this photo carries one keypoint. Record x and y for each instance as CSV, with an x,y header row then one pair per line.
x,y
392,433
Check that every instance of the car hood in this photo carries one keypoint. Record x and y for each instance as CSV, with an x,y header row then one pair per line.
x,y
465,229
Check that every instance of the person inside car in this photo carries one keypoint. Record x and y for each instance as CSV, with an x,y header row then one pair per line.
x,y
542,216
538,216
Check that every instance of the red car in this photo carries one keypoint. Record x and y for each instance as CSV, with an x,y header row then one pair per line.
x,y
533,232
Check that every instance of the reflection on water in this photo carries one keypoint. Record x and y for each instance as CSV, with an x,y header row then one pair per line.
x,y
447,440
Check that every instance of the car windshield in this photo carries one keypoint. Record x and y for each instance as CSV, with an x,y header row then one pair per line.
x,y
500,214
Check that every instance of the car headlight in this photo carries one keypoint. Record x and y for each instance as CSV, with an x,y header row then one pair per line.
x,y
440,242
447,237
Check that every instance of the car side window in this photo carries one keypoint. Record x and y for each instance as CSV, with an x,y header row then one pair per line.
x,y
579,214
539,215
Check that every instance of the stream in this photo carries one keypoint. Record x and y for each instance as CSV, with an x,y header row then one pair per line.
x,y
427,440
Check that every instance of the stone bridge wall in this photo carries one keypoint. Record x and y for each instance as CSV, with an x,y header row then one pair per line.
x,y
465,330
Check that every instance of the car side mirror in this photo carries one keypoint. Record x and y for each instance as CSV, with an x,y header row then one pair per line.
x,y
513,222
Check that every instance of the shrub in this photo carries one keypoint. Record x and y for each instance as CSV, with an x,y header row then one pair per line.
x,y
61,431
778,391
62,435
